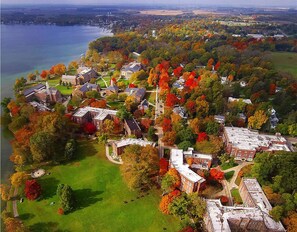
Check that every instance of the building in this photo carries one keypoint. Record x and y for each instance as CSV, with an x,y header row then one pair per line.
x,y
246,101
119,146
129,69
81,90
181,111
179,84
48,95
132,127
95,115
39,107
84,75
243,143
190,180
69,79
144,105
30,92
137,93
220,119
254,216
199,161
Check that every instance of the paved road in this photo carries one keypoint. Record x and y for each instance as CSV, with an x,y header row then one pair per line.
x,y
160,143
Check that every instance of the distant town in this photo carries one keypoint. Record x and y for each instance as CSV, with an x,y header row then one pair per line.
x,y
184,120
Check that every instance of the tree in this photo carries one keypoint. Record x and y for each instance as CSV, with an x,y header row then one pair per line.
x,y
108,126
4,104
60,108
130,103
14,225
42,146
216,174
197,207
66,197
169,138
257,120
166,124
5,192
163,163
180,205
140,166
202,136
277,212
185,145
92,94
32,189
89,128
18,178
31,77
151,134
44,74
123,113
171,100
70,148
291,221
166,201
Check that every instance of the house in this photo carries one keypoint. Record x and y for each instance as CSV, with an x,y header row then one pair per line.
x,y
95,115
253,216
181,111
179,84
273,119
190,180
220,119
246,101
144,105
224,80
119,146
132,127
129,69
242,84
138,93
30,92
85,74
111,90
48,95
80,91
243,143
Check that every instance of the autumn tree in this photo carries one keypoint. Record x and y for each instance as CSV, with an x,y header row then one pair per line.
x,y
44,74
171,180
166,124
42,146
5,192
169,138
89,128
99,104
164,164
18,178
32,189
166,201
257,120
140,166
108,126
216,174
14,225
291,221
70,148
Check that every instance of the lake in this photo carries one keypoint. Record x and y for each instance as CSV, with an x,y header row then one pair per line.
x,y
26,48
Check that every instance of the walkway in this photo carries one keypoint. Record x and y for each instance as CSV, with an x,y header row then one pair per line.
x,y
14,203
109,157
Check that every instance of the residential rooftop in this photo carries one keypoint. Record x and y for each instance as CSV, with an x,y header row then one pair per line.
x,y
33,89
177,160
132,124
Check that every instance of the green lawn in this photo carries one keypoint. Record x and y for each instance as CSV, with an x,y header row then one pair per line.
x,y
285,61
229,175
236,196
226,166
115,105
100,193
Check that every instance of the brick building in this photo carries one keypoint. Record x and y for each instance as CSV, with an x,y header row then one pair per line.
x,y
190,180
243,143
132,127
119,146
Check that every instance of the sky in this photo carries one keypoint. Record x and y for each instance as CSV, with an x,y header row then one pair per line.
x,y
280,3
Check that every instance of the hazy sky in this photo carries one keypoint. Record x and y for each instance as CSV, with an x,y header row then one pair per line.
x,y
283,3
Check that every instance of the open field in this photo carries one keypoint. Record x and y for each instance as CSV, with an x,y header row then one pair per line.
x,y
100,194
205,12
285,61
162,12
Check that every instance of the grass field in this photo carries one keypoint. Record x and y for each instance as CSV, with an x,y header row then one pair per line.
x,y
285,61
236,196
226,166
229,175
100,193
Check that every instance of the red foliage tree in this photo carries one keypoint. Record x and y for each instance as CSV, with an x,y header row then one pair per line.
x,y
191,83
163,166
216,174
44,74
191,106
272,88
146,123
187,229
218,64
98,104
202,136
89,128
166,125
60,211
224,199
32,189
171,100
164,79
131,85
177,71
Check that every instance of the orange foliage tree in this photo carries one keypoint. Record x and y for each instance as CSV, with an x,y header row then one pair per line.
x,y
163,166
169,138
166,200
171,100
216,174
166,124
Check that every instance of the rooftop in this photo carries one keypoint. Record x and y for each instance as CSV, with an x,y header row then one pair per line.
x,y
132,124
177,160
31,90
130,141
87,87
132,67
246,101
101,113
139,92
246,139
219,216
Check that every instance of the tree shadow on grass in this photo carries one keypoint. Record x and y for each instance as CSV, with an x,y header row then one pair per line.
x,y
26,216
46,227
48,187
86,197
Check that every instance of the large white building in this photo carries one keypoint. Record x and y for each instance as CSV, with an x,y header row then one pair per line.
x,y
252,216
243,143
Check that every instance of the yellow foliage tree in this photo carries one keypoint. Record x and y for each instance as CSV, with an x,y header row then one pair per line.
x,y
18,178
5,194
257,120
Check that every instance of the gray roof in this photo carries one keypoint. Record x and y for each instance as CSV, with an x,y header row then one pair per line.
x,y
138,92
87,87
26,92
133,67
